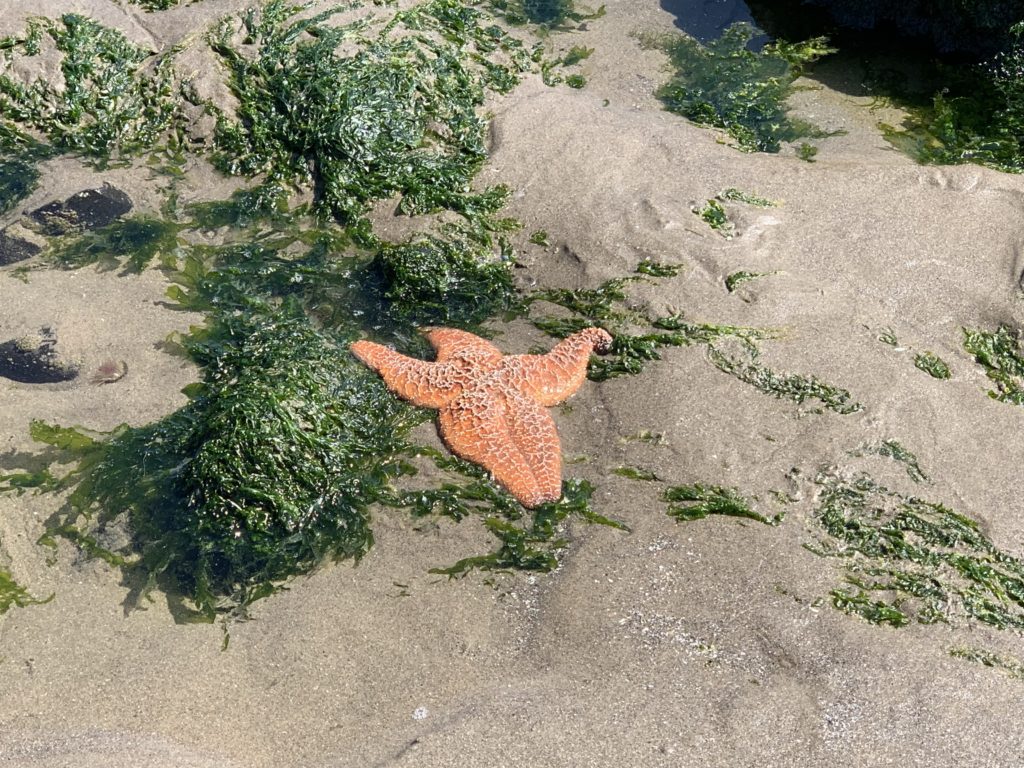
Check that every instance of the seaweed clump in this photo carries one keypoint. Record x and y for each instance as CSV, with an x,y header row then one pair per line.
x,y
907,559
932,364
433,280
697,501
977,117
117,97
999,353
269,469
396,116
726,85
787,386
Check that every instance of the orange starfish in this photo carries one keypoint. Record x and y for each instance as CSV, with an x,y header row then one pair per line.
x,y
491,405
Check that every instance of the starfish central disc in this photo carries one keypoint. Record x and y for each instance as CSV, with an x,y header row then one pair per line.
x,y
492,405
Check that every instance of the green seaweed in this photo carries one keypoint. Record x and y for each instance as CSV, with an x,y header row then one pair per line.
x,y
875,611
714,215
893,449
634,473
807,152
358,114
604,306
528,540
740,196
540,237
117,98
656,269
576,81
905,556
976,117
697,501
736,279
727,85
157,5
576,54
548,12
646,436
1011,666
888,336
131,243
12,593
795,387
262,204
932,364
999,353
431,280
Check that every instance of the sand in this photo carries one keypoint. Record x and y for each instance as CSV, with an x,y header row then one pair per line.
x,y
697,644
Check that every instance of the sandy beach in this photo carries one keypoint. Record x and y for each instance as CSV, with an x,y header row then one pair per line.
x,y
704,643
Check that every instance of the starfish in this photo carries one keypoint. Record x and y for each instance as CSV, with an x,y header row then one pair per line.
x,y
492,405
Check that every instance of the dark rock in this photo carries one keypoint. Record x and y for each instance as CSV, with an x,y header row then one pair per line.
x,y
14,249
85,210
33,360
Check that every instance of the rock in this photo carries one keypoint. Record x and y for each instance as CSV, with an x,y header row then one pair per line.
x,y
14,249
85,210
33,360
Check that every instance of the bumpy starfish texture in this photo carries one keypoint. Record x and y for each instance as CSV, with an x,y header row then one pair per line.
x,y
492,405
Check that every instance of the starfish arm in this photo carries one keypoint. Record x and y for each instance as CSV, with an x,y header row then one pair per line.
x,y
451,343
475,426
534,434
549,379
423,383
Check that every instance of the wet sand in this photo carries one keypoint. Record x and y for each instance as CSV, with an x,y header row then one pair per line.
x,y
676,644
